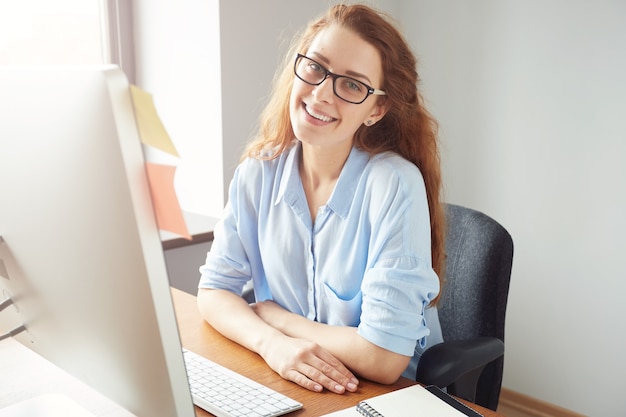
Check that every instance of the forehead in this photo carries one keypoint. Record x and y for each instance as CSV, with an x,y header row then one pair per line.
x,y
343,51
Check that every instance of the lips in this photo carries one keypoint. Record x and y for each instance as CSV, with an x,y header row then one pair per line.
x,y
317,115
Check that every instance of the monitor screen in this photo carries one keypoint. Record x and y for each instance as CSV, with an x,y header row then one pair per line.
x,y
80,253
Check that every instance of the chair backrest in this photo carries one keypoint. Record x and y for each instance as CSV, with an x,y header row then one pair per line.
x,y
479,257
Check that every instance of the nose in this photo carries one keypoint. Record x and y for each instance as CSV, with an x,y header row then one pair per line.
x,y
324,91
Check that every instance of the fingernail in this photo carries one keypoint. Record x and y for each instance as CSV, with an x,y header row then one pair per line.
x,y
355,381
339,388
351,386
318,388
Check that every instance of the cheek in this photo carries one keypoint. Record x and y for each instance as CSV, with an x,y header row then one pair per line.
x,y
298,90
294,103
356,116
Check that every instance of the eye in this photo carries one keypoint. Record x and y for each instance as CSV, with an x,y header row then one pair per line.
x,y
352,85
315,67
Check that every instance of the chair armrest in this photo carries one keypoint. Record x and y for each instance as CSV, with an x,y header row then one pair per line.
x,y
445,363
248,293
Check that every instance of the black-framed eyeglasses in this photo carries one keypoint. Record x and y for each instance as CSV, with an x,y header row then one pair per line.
x,y
344,87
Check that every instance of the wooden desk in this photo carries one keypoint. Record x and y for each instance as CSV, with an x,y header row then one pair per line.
x,y
198,336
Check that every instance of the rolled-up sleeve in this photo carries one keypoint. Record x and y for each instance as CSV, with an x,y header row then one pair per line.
x,y
399,282
395,295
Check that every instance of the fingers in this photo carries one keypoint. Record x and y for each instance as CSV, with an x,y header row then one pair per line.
x,y
336,372
331,379
313,379
309,365
318,369
299,378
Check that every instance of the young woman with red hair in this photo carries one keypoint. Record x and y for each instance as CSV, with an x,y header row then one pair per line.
x,y
334,214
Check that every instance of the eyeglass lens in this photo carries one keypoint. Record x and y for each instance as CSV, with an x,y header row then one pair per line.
x,y
344,87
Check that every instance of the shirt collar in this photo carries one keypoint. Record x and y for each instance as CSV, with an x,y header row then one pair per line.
x,y
290,184
343,195
290,187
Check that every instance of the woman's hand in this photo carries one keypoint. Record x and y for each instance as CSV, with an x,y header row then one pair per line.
x,y
302,361
343,343
308,365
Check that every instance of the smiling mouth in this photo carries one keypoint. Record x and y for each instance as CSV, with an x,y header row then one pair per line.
x,y
320,117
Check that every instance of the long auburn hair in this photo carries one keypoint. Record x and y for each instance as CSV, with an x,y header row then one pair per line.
x,y
407,128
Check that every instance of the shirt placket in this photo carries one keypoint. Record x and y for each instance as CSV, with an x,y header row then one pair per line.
x,y
315,283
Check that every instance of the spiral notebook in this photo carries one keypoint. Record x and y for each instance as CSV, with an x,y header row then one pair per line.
x,y
409,402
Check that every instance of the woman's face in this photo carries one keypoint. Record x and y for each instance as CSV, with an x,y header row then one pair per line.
x,y
321,119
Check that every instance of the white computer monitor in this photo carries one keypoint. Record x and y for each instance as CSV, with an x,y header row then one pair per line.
x,y
80,255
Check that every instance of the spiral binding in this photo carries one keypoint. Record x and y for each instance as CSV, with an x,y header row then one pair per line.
x,y
367,410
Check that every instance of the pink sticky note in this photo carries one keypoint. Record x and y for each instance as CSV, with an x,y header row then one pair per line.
x,y
167,210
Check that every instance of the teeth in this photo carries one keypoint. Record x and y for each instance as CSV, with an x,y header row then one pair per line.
x,y
318,116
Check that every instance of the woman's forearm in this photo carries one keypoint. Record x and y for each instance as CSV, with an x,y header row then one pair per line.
x,y
232,316
297,359
361,356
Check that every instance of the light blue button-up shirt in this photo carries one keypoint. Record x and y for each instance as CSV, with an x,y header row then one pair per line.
x,y
365,262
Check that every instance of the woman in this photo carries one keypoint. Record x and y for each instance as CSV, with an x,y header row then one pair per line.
x,y
334,214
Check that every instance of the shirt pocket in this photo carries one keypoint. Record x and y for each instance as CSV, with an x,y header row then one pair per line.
x,y
340,310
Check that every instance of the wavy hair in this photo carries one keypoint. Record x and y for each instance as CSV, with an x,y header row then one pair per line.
x,y
407,128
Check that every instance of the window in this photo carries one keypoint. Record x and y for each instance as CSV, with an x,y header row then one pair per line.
x,y
59,32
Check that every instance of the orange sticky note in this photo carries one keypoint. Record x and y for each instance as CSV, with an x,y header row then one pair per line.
x,y
169,215
151,129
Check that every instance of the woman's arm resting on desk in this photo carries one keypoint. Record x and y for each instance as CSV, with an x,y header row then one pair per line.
x,y
295,359
363,357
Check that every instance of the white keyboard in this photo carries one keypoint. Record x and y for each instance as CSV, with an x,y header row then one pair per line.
x,y
225,393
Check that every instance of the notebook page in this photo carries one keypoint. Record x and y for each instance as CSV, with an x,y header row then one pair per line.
x,y
405,402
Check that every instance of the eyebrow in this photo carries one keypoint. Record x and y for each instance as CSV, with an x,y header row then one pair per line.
x,y
349,72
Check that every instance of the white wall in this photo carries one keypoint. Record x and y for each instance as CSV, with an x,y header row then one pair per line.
x,y
531,97
531,100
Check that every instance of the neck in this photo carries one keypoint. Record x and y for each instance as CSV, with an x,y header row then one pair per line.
x,y
319,167
319,171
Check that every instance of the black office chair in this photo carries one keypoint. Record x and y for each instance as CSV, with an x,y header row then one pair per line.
x,y
479,257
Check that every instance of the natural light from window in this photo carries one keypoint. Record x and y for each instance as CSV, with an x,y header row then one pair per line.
x,y
50,32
